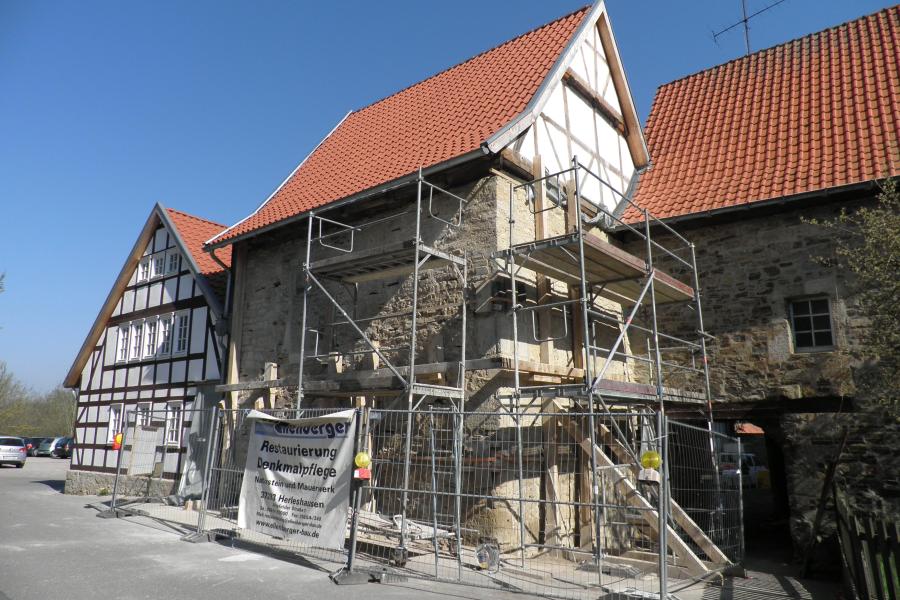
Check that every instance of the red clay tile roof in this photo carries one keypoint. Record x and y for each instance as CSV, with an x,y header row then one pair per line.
x,y
440,118
194,231
818,112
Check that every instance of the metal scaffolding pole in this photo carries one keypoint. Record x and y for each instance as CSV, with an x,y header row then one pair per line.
x,y
306,287
411,380
588,366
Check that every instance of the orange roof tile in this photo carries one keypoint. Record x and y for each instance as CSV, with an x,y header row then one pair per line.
x,y
194,231
818,112
438,119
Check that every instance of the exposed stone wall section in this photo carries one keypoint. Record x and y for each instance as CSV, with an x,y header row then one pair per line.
x,y
750,268
86,483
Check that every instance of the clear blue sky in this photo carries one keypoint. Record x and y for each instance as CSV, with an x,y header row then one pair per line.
x,y
107,107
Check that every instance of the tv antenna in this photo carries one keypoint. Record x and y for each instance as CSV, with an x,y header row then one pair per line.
x,y
745,22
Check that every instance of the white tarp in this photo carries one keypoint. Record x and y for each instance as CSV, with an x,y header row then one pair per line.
x,y
297,478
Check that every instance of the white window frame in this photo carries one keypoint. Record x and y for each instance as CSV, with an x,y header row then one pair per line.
x,y
137,340
170,266
143,415
174,423
158,268
143,272
122,347
114,426
165,337
176,331
151,340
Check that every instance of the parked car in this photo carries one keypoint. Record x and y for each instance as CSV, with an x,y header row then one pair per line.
x,y
48,446
751,468
12,450
32,443
64,448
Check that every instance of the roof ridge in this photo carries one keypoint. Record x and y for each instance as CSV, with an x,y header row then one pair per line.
x,y
777,46
181,212
473,57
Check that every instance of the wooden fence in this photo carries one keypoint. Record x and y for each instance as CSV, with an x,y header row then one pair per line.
x,y
870,548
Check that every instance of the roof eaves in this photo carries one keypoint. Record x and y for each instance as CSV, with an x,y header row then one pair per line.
x,y
211,242
760,204
211,297
373,191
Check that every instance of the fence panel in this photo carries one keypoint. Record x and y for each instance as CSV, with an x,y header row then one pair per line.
x,y
539,499
226,473
160,466
870,550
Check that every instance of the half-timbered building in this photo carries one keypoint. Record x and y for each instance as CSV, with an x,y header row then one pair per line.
x,y
152,348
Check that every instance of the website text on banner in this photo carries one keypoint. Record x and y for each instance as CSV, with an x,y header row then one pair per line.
x,y
297,478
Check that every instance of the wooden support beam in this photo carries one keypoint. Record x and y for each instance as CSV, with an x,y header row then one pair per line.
x,y
239,263
553,534
629,492
713,553
633,136
597,102
542,282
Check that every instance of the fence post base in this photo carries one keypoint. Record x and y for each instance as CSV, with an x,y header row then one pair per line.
x,y
112,513
344,576
199,537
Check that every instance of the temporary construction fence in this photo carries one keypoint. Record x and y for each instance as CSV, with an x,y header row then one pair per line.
x,y
502,498
160,466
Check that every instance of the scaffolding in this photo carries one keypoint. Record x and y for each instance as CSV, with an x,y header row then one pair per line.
x,y
592,268
426,443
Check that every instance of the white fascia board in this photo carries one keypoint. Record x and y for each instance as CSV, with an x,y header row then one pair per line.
x,y
211,298
112,298
526,118
208,245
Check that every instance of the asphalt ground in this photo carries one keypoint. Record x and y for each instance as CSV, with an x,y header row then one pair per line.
x,y
53,547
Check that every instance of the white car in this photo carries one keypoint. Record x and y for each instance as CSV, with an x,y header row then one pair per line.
x,y
13,450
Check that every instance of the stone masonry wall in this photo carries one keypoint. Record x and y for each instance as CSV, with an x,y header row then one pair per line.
x,y
750,268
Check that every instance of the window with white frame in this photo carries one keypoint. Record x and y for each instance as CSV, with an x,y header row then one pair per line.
x,y
173,261
142,417
159,264
173,423
137,332
115,422
182,323
122,350
143,273
165,335
150,327
811,323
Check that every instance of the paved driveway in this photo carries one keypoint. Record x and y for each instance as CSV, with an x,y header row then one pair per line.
x,y
53,546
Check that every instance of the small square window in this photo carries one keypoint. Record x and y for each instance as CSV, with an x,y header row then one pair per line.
x,y
811,324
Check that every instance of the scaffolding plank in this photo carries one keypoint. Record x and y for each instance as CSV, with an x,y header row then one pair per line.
x,y
383,262
605,265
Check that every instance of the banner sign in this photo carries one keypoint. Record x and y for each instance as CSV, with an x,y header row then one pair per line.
x,y
297,478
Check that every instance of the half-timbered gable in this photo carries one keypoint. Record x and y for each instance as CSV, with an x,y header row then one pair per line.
x,y
154,343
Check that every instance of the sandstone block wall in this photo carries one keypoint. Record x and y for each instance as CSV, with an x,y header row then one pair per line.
x,y
750,268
